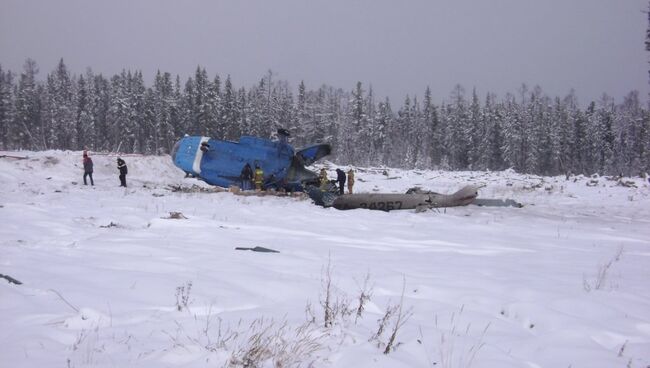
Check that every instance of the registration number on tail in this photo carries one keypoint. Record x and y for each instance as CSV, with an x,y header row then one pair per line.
x,y
383,206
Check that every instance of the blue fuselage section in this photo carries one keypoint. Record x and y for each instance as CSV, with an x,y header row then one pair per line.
x,y
220,162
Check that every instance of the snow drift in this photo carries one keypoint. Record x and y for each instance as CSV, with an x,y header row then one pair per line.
x,y
109,279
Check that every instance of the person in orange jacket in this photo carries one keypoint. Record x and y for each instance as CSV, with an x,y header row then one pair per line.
x,y
350,180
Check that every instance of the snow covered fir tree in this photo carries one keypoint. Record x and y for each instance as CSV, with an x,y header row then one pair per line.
x,y
528,131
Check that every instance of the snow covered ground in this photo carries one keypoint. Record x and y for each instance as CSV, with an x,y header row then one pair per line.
x,y
108,280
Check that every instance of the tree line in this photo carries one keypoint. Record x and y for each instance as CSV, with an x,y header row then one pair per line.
x,y
527,131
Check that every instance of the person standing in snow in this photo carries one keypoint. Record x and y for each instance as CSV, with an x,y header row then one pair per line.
x,y
121,165
246,177
340,177
350,180
323,179
259,177
88,169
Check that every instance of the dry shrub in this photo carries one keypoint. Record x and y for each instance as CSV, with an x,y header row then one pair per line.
x,y
278,344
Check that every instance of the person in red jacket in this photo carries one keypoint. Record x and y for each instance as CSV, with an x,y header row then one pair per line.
x,y
88,169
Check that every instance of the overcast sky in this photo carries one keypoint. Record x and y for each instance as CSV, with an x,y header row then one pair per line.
x,y
400,47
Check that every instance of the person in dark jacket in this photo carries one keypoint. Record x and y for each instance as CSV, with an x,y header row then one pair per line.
x,y
340,177
121,165
247,177
88,169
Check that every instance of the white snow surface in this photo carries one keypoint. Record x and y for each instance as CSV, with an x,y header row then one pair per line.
x,y
562,282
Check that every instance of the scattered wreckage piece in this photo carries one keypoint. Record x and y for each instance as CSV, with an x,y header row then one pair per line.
x,y
263,193
259,249
626,183
176,216
15,157
10,279
194,189
485,202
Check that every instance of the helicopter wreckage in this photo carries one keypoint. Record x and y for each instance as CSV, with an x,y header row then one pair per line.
x,y
414,198
219,162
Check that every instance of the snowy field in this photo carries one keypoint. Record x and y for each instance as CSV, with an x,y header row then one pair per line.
x,y
109,280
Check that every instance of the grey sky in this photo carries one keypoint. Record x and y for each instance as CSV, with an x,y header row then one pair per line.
x,y
593,46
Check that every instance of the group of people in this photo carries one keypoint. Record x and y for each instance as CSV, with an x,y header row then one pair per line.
x,y
341,178
88,169
249,177
254,179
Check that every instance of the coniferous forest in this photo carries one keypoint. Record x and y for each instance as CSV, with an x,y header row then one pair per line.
x,y
528,130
